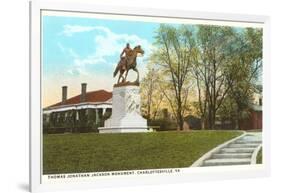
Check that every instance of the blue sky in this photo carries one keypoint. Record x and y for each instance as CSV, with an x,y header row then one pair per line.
x,y
77,49
68,38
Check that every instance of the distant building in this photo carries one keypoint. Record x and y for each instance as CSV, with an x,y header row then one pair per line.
x,y
254,120
82,113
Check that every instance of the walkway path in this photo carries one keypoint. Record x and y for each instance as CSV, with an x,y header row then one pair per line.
x,y
240,151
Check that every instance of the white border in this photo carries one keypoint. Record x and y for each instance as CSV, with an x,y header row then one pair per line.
x,y
152,19
188,174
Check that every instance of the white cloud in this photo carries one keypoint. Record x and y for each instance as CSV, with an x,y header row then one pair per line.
x,y
69,30
107,43
67,51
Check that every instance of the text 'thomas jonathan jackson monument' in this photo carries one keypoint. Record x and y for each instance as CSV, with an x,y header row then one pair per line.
x,y
126,116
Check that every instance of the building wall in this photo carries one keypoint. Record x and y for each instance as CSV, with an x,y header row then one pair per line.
x,y
75,121
254,121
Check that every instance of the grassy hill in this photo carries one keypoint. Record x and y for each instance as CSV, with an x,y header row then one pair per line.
x,y
92,152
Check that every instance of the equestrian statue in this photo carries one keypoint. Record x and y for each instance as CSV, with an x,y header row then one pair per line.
x,y
128,61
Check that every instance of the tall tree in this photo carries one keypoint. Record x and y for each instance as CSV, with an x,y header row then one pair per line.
x,y
151,93
222,62
174,51
209,70
244,68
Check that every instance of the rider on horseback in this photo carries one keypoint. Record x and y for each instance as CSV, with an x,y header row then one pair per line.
x,y
124,59
128,62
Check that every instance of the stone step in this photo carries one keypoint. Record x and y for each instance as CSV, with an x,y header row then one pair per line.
x,y
230,155
240,141
236,150
249,137
246,145
224,162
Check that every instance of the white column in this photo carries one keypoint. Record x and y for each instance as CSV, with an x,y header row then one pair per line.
x,y
97,115
77,115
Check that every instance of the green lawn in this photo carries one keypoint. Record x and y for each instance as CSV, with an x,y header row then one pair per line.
x,y
91,152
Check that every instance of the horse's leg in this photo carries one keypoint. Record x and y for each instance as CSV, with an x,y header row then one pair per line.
x,y
119,77
136,70
126,74
122,76
121,72
118,81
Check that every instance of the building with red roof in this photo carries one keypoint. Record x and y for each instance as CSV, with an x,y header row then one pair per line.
x,y
82,113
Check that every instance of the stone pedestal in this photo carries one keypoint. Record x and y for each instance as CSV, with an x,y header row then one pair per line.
x,y
126,116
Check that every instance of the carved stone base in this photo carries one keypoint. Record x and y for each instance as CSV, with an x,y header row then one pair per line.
x,y
126,116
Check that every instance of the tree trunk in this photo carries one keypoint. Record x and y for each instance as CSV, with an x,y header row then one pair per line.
x,y
237,118
180,119
210,118
203,123
214,119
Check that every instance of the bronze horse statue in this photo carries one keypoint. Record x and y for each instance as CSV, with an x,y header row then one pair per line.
x,y
127,63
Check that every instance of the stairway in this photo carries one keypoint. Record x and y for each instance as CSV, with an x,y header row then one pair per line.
x,y
238,152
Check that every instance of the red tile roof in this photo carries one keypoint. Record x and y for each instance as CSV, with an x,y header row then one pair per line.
x,y
93,96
